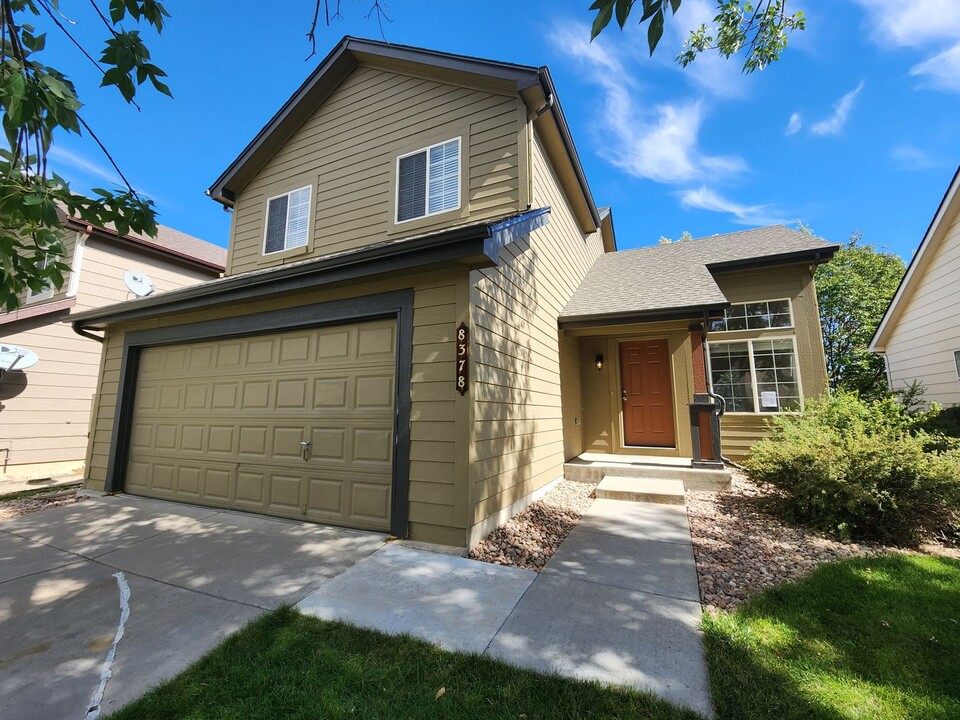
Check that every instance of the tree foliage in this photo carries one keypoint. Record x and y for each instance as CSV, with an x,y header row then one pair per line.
x,y
854,290
760,28
39,102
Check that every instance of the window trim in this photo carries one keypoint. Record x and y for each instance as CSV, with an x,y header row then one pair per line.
x,y
46,294
753,373
426,150
791,326
266,222
956,362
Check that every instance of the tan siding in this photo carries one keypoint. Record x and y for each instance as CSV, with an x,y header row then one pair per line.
x,y
927,332
48,422
739,431
519,426
347,151
438,478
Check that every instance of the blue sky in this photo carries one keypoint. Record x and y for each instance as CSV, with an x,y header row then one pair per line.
x,y
855,128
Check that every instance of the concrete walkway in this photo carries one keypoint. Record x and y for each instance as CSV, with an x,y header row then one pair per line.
x,y
194,576
617,603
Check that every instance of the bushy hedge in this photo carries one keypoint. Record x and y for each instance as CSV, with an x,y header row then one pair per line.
x,y
865,471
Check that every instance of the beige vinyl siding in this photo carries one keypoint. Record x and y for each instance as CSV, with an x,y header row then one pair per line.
x,y
105,262
518,428
438,474
48,421
46,409
347,151
927,333
740,430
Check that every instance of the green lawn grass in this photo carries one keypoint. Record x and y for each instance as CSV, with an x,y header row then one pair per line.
x,y
868,638
287,665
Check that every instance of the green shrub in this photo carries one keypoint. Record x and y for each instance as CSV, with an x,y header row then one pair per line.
x,y
865,471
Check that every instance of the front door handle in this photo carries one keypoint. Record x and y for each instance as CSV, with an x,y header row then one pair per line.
x,y
304,447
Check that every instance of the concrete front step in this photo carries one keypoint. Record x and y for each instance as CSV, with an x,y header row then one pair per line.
x,y
631,489
579,470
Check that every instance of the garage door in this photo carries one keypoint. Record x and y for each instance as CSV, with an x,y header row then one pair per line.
x,y
296,424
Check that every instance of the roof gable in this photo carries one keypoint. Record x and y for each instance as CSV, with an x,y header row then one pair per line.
x,y
946,213
534,85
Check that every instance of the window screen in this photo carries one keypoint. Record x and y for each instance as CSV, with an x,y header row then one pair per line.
x,y
288,221
47,291
428,182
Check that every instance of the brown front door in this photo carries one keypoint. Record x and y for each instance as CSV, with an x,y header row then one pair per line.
x,y
646,393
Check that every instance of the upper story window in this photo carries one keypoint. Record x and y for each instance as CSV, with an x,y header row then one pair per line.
x,y
956,360
428,181
44,294
288,221
755,316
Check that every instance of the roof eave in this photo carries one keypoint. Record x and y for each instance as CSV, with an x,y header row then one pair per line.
x,y
948,207
813,255
686,312
82,225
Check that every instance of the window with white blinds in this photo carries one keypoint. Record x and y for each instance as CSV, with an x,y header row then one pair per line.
x,y
288,221
428,181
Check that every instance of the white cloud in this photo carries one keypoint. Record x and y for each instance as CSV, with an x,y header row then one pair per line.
x,y
913,24
942,71
794,125
910,157
705,198
657,142
924,25
59,155
833,124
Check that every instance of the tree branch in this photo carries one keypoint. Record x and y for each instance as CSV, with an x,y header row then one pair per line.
x,y
109,156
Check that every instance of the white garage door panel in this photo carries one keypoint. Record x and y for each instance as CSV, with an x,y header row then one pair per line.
x,y
220,423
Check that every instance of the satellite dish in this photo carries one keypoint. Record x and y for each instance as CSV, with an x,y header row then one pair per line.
x,y
16,358
138,283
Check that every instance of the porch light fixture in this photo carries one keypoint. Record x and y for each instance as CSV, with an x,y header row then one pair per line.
x,y
599,362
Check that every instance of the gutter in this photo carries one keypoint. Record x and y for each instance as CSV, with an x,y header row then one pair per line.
x,y
817,257
645,316
550,92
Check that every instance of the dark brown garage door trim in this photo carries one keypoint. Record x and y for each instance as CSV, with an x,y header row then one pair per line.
x,y
397,304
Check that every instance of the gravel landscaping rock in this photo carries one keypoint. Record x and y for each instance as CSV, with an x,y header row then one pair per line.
x,y
741,548
529,538
25,506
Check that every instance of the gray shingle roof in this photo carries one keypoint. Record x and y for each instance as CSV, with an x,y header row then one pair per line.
x,y
677,276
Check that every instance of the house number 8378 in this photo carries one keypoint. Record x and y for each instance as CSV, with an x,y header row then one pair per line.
x,y
463,359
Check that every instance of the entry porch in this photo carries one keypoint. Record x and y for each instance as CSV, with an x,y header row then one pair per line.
x,y
636,402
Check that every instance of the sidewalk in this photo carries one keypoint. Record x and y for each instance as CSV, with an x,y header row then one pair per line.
x,y
617,603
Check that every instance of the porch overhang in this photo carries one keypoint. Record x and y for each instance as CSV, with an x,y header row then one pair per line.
x,y
688,312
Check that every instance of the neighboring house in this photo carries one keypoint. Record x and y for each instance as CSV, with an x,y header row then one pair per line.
x,y
919,336
424,316
45,409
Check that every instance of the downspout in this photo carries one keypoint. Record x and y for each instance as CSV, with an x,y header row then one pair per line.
x,y
82,331
718,399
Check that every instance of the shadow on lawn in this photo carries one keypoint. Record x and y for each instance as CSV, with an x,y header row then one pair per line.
x,y
872,637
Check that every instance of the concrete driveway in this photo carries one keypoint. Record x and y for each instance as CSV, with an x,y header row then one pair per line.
x,y
171,580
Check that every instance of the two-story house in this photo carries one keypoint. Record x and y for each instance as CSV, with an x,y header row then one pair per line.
x,y
45,409
424,316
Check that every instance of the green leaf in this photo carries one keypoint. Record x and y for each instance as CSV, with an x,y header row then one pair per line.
x,y
675,5
623,10
655,31
117,11
604,14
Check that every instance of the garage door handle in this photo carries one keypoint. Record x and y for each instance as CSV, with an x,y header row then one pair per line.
x,y
304,447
